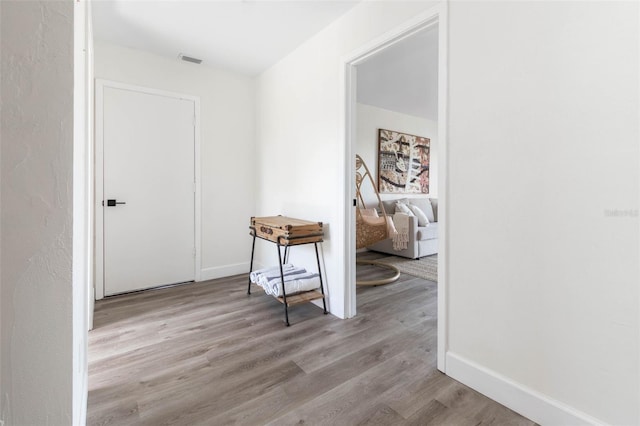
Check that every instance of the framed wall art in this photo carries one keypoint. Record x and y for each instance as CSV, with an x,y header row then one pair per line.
x,y
403,163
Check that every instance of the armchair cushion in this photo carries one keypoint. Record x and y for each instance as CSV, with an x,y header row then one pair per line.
x,y
390,205
417,212
425,205
403,208
369,212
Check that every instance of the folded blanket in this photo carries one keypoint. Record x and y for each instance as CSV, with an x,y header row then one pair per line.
x,y
266,278
294,284
401,238
391,228
255,274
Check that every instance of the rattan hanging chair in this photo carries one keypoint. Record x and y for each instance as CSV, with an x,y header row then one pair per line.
x,y
370,229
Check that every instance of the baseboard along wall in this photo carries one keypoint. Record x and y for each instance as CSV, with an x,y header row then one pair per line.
x,y
534,405
225,270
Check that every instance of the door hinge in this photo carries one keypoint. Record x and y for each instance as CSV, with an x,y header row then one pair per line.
x,y
194,187
194,252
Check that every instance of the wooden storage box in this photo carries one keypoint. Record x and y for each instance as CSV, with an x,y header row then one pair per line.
x,y
286,230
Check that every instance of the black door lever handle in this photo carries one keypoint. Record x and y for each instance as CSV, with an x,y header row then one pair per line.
x,y
112,203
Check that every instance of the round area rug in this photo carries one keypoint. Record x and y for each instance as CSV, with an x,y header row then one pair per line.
x,y
425,267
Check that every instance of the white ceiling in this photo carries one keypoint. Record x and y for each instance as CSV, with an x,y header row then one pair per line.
x,y
247,36
403,77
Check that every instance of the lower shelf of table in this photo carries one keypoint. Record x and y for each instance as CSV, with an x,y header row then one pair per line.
x,y
299,298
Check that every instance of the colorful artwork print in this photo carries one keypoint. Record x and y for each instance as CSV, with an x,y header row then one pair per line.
x,y
403,163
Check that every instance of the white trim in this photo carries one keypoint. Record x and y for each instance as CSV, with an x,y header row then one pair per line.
x,y
91,165
638,118
81,230
347,175
198,192
100,82
407,29
534,405
435,15
443,186
98,249
226,270
99,175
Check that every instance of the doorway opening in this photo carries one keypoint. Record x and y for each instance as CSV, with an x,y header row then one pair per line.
x,y
379,95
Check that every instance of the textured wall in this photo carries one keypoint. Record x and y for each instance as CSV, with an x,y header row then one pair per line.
x,y
36,221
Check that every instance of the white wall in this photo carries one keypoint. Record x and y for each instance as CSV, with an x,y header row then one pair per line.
x,y
543,103
299,146
368,120
36,217
227,145
543,141
3,332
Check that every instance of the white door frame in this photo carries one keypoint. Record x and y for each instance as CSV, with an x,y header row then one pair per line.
x,y
436,15
99,176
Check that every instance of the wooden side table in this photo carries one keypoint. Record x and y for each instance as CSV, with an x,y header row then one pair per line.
x,y
287,232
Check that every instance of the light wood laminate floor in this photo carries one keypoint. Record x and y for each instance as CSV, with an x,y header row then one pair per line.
x,y
208,354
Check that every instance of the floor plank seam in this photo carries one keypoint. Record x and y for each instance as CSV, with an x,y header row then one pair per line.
x,y
206,353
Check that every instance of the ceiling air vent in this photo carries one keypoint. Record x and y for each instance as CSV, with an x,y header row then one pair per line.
x,y
189,58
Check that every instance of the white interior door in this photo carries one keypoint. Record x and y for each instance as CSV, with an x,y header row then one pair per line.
x,y
149,167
